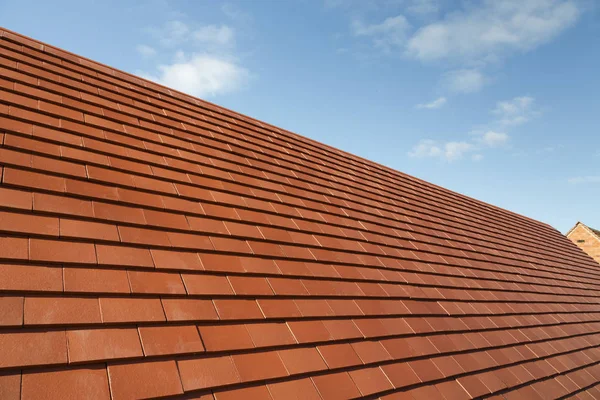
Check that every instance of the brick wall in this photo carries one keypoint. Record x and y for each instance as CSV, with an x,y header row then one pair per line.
x,y
590,244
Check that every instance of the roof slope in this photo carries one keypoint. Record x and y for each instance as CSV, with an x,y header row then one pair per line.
x,y
154,244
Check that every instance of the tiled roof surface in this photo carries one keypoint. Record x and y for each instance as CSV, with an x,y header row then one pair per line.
x,y
153,244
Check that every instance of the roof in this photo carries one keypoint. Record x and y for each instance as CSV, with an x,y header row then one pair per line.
x,y
594,232
154,244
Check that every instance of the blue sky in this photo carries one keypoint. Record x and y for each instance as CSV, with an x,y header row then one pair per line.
x,y
499,100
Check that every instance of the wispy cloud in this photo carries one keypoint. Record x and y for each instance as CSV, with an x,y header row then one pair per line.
x,y
467,39
493,135
387,35
437,103
516,111
203,57
464,80
584,179
145,50
492,29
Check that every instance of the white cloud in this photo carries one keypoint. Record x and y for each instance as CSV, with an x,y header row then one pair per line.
x,y
214,35
492,29
464,80
437,103
493,139
584,179
201,75
172,33
516,111
449,151
389,34
145,50
477,157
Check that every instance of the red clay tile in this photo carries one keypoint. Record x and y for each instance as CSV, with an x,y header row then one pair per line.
x,y
16,199
170,340
131,310
207,372
309,331
370,380
370,351
179,260
71,228
279,308
238,309
250,393
87,382
155,282
400,374
225,337
300,389
302,360
32,348
27,223
90,280
336,386
150,237
62,205
103,344
61,310
30,277
259,366
124,256
206,284
250,286
143,380
66,252
10,386
189,310
339,355
11,311
270,334
14,248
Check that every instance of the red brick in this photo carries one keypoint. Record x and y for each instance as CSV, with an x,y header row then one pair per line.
x,y
144,380
15,348
207,373
16,199
72,228
170,340
30,277
259,366
124,256
62,205
270,334
103,344
206,284
189,310
65,252
336,386
61,310
302,360
131,310
82,383
178,260
11,311
300,389
225,337
155,282
90,280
